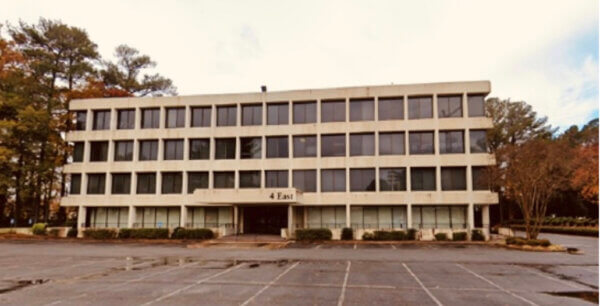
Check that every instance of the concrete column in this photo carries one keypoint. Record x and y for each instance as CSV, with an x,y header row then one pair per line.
x,y
348,212
184,182
405,107
290,227
467,142
138,119
81,215
435,106
163,118
84,180
111,151
113,119
86,151
89,118
470,217
108,182
409,216
131,217
158,182
469,178
465,105
485,216
241,220
438,178
236,218
183,216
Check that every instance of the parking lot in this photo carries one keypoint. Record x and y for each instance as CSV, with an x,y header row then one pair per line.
x,y
73,273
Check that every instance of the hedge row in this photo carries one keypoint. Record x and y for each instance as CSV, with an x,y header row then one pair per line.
x,y
145,233
531,242
313,234
580,231
562,221
385,235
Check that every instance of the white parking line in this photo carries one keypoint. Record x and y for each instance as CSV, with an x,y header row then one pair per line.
x,y
393,246
341,299
166,296
496,285
556,280
270,284
437,302
595,270
67,267
122,283
318,246
355,246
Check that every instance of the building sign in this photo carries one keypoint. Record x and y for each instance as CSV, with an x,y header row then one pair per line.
x,y
281,196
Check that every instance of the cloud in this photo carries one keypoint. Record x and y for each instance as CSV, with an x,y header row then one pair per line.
x,y
542,52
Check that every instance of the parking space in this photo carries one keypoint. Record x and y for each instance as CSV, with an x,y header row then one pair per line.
x,y
194,279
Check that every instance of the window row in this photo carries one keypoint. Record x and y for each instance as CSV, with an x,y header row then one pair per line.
x,y
332,180
334,110
361,144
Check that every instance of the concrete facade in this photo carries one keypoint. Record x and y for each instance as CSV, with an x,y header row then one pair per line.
x,y
300,205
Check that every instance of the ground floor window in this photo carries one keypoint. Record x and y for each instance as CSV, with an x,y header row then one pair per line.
x,y
435,216
107,217
157,217
378,217
326,217
209,217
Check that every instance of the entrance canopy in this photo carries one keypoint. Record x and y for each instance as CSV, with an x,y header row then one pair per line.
x,y
264,196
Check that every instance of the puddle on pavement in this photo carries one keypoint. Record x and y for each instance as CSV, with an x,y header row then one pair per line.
x,y
16,285
589,296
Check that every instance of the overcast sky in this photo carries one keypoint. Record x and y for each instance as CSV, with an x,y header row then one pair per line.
x,y
542,52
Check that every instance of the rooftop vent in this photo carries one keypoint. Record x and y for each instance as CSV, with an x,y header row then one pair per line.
x,y
263,88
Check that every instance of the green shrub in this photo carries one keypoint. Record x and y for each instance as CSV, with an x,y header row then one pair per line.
x,y
99,233
313,234
398,235
368,236
579,231
545,243
477,235
460,236
39,229
411,234
389,235
143,233
192,233
441,236
532,242
347,233
72,233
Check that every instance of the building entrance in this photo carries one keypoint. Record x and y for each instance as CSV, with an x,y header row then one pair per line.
x,y
265,219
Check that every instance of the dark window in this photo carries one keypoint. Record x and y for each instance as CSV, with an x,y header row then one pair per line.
x,y
251,148
392,179
225,148
175,117
121,183
362,110
249,179
362,144
146,183
148,150
305,180
333,145
150,118
478,141
98,151
391,108
200,148
421,142
362,180
173,149
95,183
197,180
454,178
333,180
305,112
278,113
422,179
226,115
126,119
276,178
333,111
305,146
452,142
420,107
124,150
80,120
391,143
479,176
78,149
476,105
277,147
101,120
75,184
252,114
200,116
224,179
171,182
449,106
